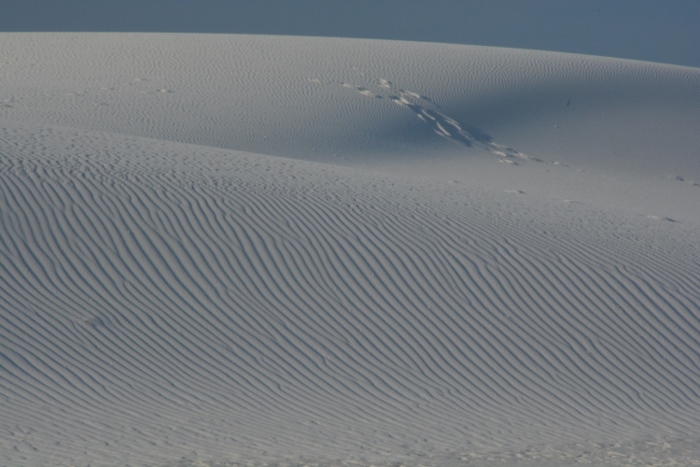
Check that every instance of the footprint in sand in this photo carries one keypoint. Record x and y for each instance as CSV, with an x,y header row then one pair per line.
x,y
361,90
430,113
660,218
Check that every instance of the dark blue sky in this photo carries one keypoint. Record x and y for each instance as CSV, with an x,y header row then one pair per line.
x,y
654,30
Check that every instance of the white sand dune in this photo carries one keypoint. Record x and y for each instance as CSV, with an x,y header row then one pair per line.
x,y
433,109
429,254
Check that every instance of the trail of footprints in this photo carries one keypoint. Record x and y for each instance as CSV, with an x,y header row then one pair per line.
x,y
430,113
100,96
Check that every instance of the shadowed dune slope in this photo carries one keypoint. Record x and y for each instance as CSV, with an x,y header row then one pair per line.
x,y
163,301
359,102
603,132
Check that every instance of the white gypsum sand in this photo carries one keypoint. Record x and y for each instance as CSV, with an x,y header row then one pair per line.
x,y
427,254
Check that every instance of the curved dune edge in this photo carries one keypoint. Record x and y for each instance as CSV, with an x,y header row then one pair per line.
x,y
163,301
599,131
352,101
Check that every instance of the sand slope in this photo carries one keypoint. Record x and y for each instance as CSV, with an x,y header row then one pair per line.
x,y
579,127
165,302
317,97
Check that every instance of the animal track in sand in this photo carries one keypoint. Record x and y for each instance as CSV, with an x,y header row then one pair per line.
x,y
683,179
361,90
430,113
661,218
